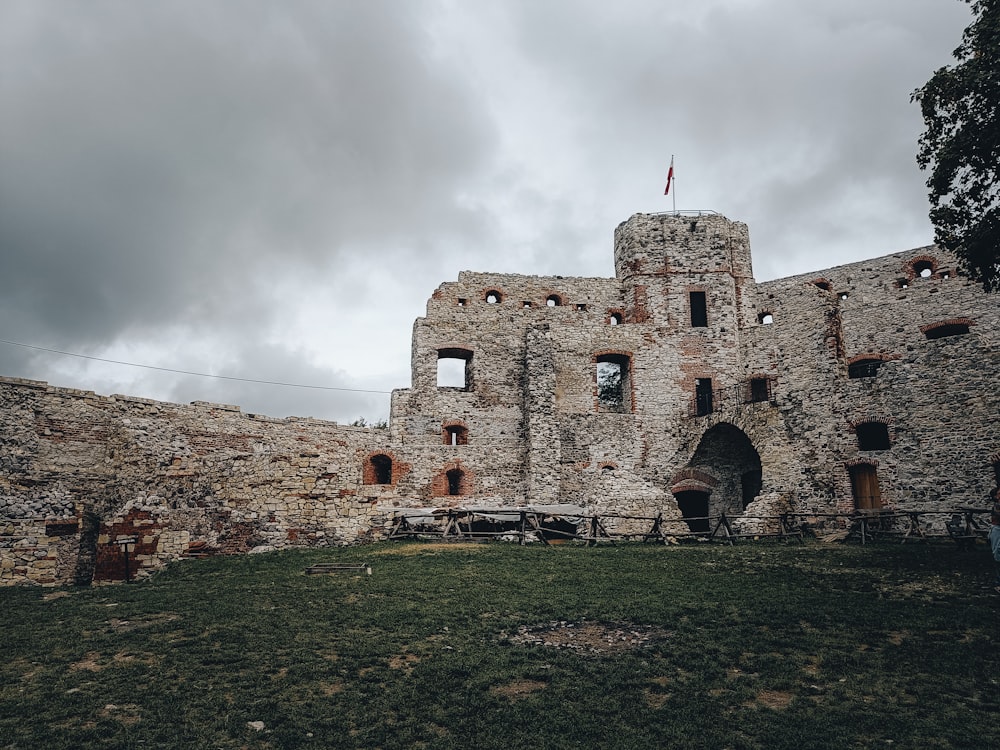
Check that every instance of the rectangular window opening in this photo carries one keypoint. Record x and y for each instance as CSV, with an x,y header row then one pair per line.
x,y
699,310
454,369
760,389
703,396
614,392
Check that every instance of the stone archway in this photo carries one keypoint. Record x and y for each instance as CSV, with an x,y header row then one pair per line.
x,y
728,457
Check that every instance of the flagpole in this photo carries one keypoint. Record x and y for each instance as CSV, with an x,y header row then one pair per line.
x,y
675,184
670,179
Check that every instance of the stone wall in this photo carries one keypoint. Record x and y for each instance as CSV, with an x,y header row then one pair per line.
x,y
182,480
873,384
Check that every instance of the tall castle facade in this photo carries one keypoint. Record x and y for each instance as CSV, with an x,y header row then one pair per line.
x,y
681,387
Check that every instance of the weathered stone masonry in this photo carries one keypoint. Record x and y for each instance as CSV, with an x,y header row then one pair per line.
x,y
873,384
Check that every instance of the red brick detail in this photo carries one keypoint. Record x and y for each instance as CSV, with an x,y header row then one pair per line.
x,y
440,486
948,322
869,356
615,311
853,423
693,476
64,430
910,267
462,437
369,475
862,462
110,563
640,305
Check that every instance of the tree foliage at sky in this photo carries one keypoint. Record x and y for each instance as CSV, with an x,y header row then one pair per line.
x,y
961,147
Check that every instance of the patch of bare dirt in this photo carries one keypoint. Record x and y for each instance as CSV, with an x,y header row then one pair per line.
x,y
773,699
588,637
332,688
518,688
89,663
404,661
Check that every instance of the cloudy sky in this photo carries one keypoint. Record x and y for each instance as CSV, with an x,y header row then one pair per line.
x,y
272,190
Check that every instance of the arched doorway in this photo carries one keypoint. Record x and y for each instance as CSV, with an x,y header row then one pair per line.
x,y
727,456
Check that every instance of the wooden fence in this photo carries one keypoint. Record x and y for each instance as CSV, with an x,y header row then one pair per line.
x,y
965,525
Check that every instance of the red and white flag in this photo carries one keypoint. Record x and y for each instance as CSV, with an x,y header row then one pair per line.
x,y
670,176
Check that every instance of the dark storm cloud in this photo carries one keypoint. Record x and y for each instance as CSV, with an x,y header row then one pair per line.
x,y
272,190
158,158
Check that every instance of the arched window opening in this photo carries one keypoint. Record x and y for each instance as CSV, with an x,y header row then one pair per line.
x,y
381,469
863,368
872,436
614,389
946,329
923,267
493,297
765,318
822,284
699,309
553,300
455,434
615,319
865,487
456,480
903,283
462,301
454,369
526,304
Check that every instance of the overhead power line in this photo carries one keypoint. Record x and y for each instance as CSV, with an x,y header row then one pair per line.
x,y
188,372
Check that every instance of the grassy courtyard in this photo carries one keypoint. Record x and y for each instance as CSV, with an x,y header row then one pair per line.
x,y
500,646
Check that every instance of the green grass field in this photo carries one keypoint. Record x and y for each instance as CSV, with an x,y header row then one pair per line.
x,y
500,646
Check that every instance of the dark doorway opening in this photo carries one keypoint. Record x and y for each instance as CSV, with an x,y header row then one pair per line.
x,y
382,469
455,477
751,482
694,509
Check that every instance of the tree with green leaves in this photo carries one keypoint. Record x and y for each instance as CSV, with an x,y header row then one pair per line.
x,y
961,147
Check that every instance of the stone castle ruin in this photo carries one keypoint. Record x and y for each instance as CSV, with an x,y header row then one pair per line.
x,y
680,389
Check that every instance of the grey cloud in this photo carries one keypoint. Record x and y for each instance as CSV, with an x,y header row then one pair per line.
x,y
157,157
204,179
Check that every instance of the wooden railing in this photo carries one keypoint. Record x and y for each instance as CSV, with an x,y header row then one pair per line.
x,y
964,525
